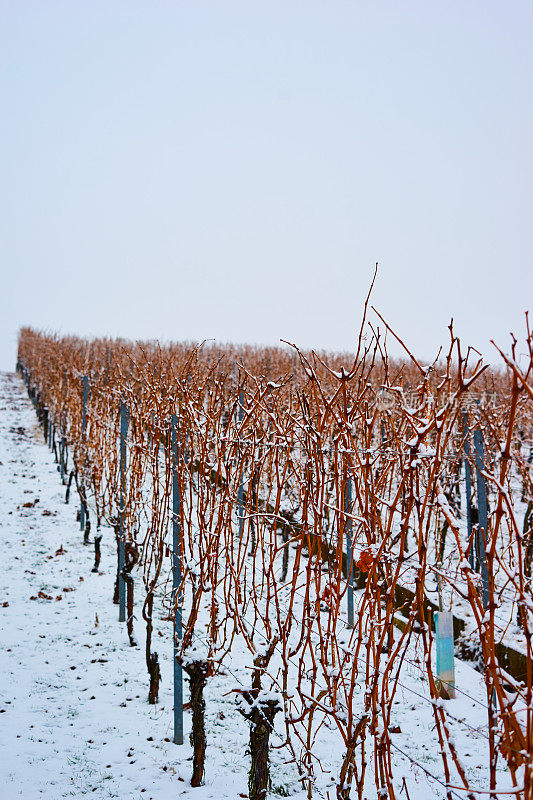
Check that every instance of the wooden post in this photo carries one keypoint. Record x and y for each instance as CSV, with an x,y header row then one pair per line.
x,y
176,581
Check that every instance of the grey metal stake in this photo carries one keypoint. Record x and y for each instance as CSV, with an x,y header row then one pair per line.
x,y
482,513
468,482
349,547
54,447
176,581
150,429
84,404
62,459
240,490
85,381
124,422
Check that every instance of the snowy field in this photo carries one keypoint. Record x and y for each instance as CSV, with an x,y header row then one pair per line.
x,y
75,721
74,716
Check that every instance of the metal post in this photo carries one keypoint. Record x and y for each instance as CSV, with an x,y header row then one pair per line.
x,y
445,653
468,481
54,446
240,490
85,396
349,548
62,459
84,405
483,517
124,422
482,513
176,581
150,429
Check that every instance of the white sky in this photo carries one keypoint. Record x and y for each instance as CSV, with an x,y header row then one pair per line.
x,y
232,170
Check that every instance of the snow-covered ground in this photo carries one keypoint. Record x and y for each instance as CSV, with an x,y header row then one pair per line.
x,y
74,718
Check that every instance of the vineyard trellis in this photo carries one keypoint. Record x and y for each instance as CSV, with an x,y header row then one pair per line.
x,y
279,502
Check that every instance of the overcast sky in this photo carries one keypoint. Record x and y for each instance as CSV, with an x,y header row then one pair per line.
x,y
233,170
